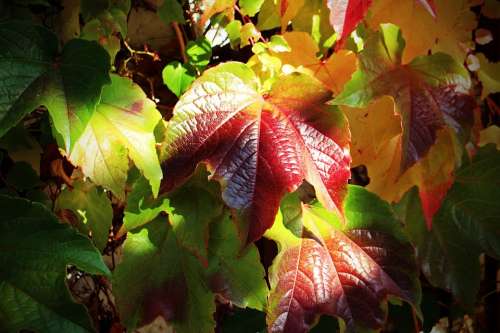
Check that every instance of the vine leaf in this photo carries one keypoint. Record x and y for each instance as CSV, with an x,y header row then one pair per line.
x,y
430,92
376,144
122,126
345,16
465,226
448,32
69,87
238,278
35,250
333,72
343,271
259,147
170,282
92,208
489,74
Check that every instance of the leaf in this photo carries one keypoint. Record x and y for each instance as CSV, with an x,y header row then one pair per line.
x,y
178,77
333,72
288,10
465,226
347,272
22,147
259,147
69,88
192,209
313,18
490,134
34,252
430,92
376,144
238,278
250,7
489,74
448,32
345,16
121,127
106,25
92,207
199,53
169,283
212,7
269,17
141,206
171,11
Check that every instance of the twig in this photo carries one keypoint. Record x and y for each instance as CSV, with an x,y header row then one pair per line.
x,y
180,39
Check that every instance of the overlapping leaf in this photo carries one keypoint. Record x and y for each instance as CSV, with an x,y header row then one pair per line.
x,y
31,76
430,92
376,143
238,278
259,147
34,252
121,127
347,272
91,207
333,72
169,282
465,226
449,31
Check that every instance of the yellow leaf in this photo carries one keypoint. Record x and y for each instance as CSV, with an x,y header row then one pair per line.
x,y
490,135
333,72
376,143
288,10
450,32
489,74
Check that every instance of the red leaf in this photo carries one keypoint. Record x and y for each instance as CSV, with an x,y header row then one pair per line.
x,y
348,276
345,16
259,147
432,199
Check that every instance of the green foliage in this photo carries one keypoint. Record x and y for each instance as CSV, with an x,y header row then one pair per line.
x,y
92,208
470,213
35,250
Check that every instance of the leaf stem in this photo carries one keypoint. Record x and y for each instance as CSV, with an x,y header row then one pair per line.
x,y
180,39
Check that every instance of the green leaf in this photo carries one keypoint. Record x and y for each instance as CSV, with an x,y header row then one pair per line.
x,y
70,87
465,226
167,281
171,11
142,207
193,207
177,77
92,207
250,7
199,52
233,30
91,8
122,126
238,278
34,252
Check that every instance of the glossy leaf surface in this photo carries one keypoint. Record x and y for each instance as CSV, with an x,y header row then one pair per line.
x,y
346,272
34,252
121,127
430,92
346,14
259,147
70,87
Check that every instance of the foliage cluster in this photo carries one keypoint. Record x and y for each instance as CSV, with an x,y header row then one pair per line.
x,y
251,165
